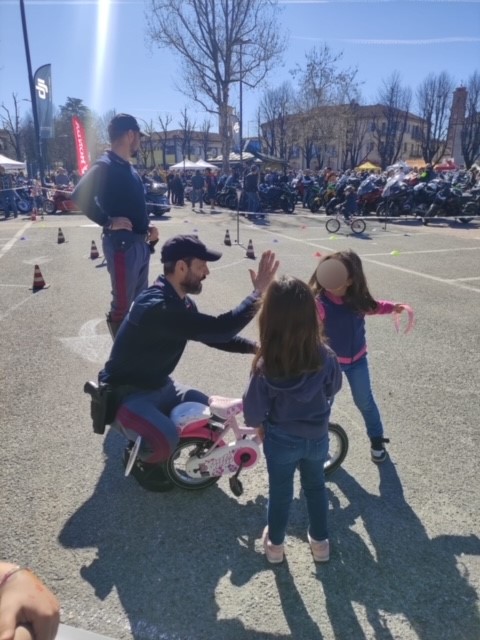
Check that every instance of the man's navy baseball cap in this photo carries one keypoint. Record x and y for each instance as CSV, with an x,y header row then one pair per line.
x,y
180,247
122,123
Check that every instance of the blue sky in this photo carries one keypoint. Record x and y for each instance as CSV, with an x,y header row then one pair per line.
x,y
415,37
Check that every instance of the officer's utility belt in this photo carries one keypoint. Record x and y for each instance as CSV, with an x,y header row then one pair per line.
x,y
105,400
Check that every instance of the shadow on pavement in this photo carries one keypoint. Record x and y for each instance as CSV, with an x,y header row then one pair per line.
x,y
165,554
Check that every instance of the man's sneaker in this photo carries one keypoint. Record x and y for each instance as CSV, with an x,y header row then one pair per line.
x,y
378,451
151,477
320,549
273,552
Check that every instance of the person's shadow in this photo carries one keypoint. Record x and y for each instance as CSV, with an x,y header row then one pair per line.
x,y
166,553
394,568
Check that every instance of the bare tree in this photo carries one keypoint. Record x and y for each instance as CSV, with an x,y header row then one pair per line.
x,y
164,122
10,121
390,127
321,81
219,43
434,98
353,131
148,144
187,128
205,137
470,134
274,110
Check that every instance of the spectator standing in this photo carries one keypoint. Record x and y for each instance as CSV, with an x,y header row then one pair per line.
x,y
112,194
198,186
250,186
7,193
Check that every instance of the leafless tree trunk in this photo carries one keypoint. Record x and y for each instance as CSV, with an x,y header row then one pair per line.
x,y
205,140
210,37
354,132
187,128
434,97
390,128
10,121
470,134
148,145
164,122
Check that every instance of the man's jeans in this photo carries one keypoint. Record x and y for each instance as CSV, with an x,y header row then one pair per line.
x,y
358,378
253,201
284,453
146,413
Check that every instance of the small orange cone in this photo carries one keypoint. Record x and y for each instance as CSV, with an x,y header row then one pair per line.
x,y
61,237
250,251
38,281
33,215
94,251
227,240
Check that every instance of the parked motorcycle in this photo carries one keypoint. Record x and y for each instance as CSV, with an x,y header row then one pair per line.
x,y
57,201
277,197
156,199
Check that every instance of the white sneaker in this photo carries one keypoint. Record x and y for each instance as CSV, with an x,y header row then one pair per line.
x,y
273,552
320,549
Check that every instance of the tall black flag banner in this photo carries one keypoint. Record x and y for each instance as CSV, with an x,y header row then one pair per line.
x,y
43,99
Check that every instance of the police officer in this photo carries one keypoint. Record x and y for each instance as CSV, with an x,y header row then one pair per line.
x,y
112,194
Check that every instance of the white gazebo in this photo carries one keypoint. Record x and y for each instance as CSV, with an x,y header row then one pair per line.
x,y
184,164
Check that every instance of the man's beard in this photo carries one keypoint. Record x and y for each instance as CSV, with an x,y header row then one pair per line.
x,y
191,284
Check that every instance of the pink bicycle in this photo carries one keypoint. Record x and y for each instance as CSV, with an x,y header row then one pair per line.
x,y
204,454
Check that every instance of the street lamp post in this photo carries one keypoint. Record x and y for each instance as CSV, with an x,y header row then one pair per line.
x,y
241,43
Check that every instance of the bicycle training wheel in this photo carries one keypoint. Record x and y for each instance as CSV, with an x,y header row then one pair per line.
x,y
337,448
176,464
358,226
332,225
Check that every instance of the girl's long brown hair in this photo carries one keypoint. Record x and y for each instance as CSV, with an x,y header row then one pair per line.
x,y
290,331
357,297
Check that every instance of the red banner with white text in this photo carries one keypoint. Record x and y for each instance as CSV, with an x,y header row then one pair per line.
x,y
83,159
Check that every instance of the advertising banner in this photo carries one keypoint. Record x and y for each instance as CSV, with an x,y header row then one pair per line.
x,y
43,100
83,160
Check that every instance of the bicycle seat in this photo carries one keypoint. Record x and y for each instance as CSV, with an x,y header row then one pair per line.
x,y
225,407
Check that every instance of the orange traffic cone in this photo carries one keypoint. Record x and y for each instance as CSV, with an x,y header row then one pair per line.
x,y
227,240
61,237
250,251
34,214
94,251
38,281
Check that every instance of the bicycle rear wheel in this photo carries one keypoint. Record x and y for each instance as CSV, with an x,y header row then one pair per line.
x,y
176,464
337,449
332,225
358,226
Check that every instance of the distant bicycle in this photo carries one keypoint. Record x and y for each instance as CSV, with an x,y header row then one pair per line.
x,y
357,225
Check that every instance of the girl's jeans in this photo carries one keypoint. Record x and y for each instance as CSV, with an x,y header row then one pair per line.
x,y
284,453
359,380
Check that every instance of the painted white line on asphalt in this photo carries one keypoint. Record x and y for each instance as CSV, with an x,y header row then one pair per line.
x,y
15,306
12,285
382,264
231,264
464,279
408,253
18,235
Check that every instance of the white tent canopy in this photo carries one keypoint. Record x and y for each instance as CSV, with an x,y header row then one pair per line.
x,y
12,165
203,164
184,164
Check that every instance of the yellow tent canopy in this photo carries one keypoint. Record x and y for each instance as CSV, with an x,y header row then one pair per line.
x,y
368,166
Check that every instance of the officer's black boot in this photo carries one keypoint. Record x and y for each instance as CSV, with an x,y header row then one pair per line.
x,y
113,327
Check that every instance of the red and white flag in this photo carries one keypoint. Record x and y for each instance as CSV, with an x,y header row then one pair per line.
x,y
83,159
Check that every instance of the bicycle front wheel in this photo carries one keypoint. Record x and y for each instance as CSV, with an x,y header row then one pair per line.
x,y
332,225
176,464
337,449
358,226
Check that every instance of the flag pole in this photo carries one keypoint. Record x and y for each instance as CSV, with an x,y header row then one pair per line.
x,y
38,151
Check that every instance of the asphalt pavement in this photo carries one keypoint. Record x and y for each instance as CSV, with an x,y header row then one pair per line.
x,y
126,563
